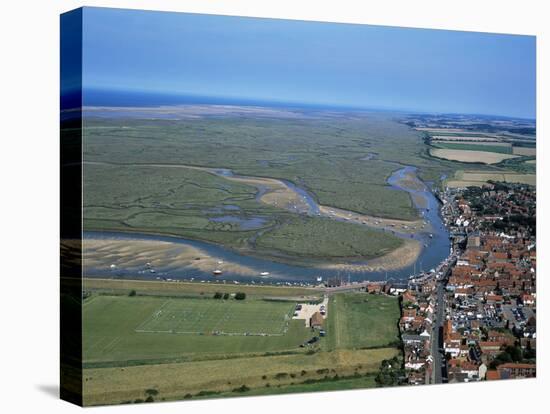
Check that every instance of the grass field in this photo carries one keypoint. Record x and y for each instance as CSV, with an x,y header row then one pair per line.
x,y
114,205
470,156
478,178
500,148
186,289
327,159
361,321
352,383
224,317
474,138
132,182
122,363
116,329
327,239
208,378
525,151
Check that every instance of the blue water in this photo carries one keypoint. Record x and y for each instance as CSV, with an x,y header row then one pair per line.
x,y
137,99
313,207
245,223
437,248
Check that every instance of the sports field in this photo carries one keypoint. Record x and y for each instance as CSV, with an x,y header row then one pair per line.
x,y
145,329
223,317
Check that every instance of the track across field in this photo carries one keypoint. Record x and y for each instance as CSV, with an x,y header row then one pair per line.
x,y
231,317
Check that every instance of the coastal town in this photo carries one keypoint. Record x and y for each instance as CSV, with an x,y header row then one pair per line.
x,y
474,317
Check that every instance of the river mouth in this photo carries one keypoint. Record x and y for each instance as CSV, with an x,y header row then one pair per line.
x,y
132,255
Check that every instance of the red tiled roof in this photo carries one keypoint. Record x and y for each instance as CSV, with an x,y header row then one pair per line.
x,y
516,365
490,344
492,375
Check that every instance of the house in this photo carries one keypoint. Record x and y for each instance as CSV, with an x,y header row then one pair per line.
x,y
374,288
316,321
408,298
494,299
490,347
527,299
492,375
451,340
409,339
463,292
334,282
517,370
466,370
416,377
505,338
415,364
409,313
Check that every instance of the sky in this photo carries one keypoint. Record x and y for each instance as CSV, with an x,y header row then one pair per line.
x,y
331,64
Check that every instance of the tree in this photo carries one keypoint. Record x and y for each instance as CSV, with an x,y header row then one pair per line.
x,y
242,388
390,373
225,296
132,293
515,353
218,295
240,296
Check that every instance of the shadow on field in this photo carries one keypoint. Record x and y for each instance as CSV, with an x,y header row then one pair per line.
x,y
49,389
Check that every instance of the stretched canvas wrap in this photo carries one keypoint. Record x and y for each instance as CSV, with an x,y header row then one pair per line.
x,y
260,206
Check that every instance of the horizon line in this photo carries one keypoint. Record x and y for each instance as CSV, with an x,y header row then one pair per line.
x,y
262,101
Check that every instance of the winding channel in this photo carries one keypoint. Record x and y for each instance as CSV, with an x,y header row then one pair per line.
x,y
429,231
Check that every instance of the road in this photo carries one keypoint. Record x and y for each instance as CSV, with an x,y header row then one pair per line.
x,y
439,371
347,287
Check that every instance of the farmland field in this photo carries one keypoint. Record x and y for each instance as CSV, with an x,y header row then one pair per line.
x,y
474,138
211,377
498,147
478,178
359,320
470,156
350,383
525,151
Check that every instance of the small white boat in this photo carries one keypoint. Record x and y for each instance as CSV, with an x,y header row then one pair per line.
x,y
217,272
264,274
